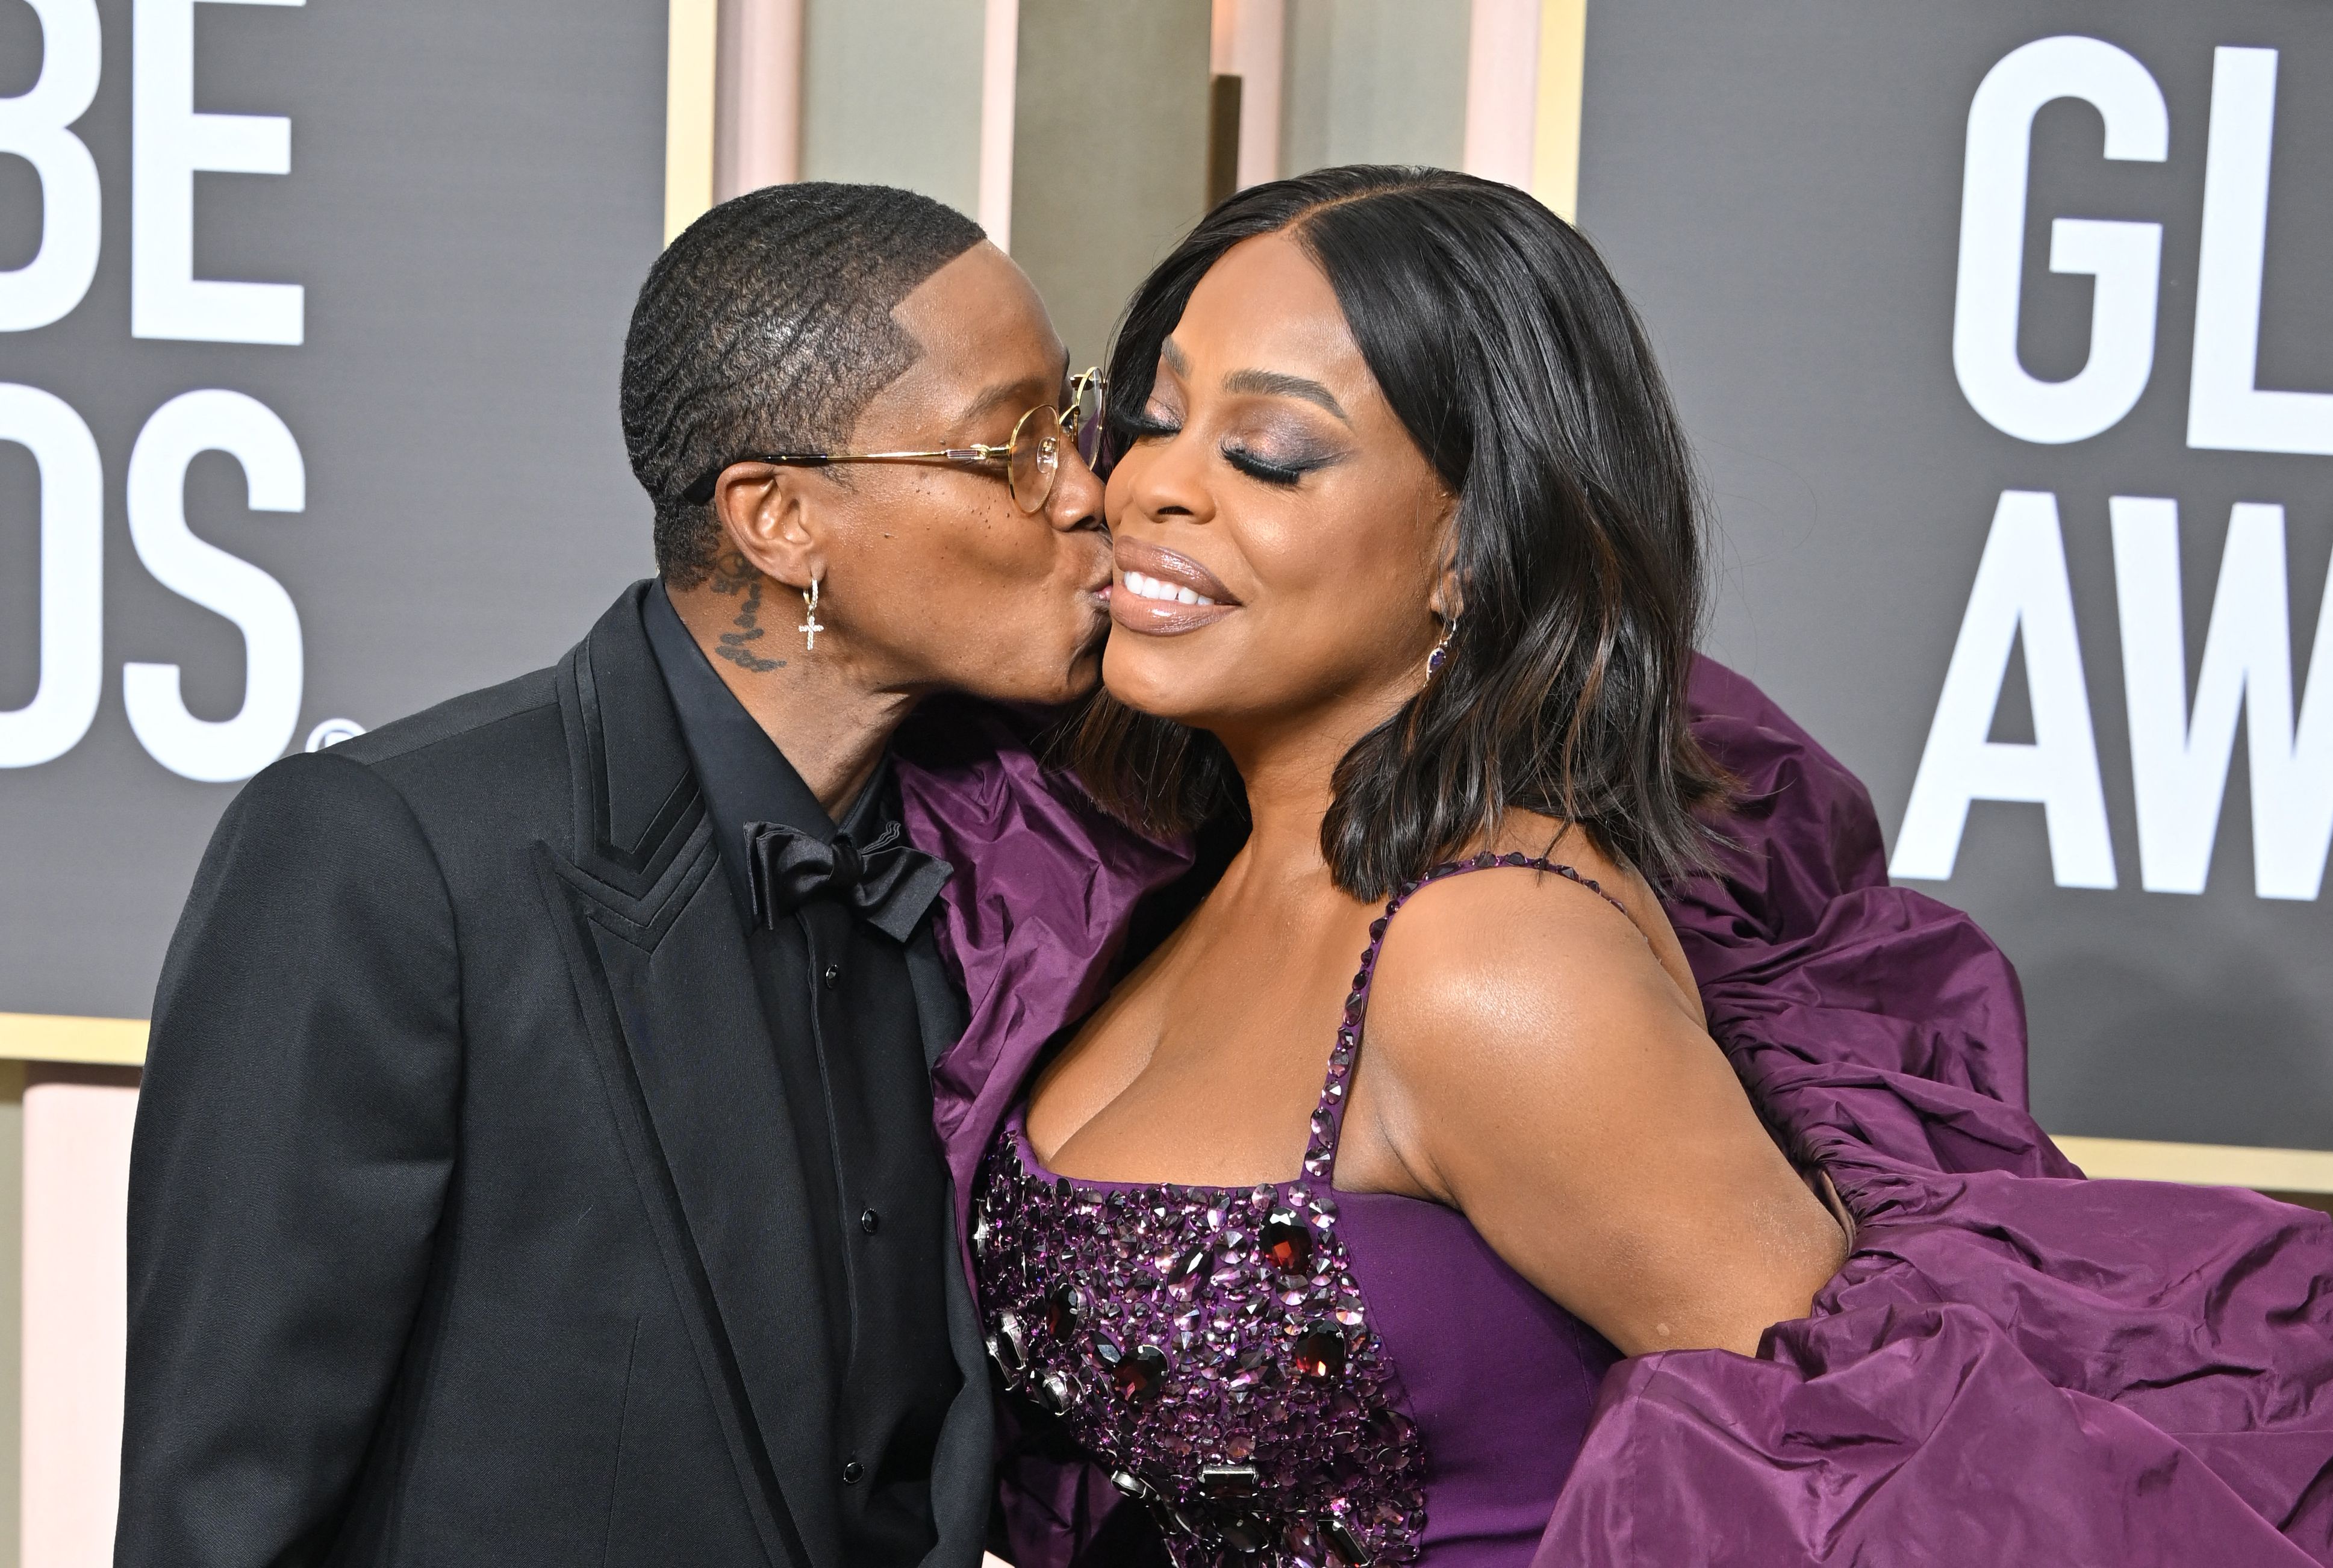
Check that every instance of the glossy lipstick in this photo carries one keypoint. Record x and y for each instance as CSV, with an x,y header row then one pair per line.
x,y
1162,593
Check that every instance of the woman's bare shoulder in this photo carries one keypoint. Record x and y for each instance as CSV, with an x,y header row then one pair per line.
x,y
1588,930
1531,1062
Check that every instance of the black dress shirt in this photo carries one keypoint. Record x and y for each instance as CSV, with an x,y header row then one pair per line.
x,y
851,1056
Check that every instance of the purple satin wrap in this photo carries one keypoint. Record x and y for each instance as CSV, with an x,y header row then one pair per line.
x,y
2015,1366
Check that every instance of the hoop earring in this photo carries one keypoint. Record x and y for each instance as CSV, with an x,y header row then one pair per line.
x,y
810,628
1441,653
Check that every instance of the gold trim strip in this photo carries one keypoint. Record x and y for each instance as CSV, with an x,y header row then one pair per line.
x,y
2204,1164
691,51
121,1043
79,1042
1562,67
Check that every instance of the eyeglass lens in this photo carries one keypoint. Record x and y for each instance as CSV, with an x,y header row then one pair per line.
x,y
1085,414
1035,457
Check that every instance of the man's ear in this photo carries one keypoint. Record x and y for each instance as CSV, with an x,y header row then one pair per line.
x,y
771,515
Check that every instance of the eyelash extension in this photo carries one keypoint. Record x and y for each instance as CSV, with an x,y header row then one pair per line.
x,y
1135,423
1138,424
1284,474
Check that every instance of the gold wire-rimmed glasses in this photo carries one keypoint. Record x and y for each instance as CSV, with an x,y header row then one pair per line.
x,y
1029,461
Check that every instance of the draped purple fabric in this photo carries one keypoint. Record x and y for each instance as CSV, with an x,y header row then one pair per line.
x,y
2016,1364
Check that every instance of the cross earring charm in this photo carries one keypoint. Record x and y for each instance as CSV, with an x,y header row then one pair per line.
x,y
810,628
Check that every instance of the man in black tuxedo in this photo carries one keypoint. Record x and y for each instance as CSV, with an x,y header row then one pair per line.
x,y
535,1161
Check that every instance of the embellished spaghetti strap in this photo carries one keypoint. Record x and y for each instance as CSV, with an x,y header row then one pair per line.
x,y
1329,1115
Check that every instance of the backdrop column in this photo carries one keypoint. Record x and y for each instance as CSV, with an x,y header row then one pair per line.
x,y
757,137
1109,155
1502,90
77,1123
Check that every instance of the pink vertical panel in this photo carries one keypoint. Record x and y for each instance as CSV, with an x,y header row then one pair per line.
x,y
76,1199
1246,42
757,136
1502,89
999,74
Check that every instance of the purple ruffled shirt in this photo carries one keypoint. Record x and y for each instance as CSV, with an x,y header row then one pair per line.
x,y
2015,1365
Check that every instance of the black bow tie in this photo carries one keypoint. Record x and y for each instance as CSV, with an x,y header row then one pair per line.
x,y
887,885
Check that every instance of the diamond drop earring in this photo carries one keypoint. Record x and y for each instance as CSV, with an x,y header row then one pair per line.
x,y
810,628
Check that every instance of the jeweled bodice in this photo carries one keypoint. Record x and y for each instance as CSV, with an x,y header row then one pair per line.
x,y
1212,1346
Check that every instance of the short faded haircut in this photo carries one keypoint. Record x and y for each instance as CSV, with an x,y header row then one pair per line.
x,y
767,327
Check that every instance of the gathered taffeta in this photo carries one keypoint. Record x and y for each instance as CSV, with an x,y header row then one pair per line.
x,y
2015,1364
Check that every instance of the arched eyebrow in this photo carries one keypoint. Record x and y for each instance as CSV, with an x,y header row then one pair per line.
x,y
1278,384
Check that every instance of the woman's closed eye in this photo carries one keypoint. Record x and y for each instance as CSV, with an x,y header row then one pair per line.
x,y
1273,468
1281,464
1145,423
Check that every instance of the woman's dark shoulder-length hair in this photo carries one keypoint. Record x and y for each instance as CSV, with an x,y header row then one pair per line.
x,y
1517,365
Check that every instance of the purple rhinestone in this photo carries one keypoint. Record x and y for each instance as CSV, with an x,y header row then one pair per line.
x,y
1227,1480
1284,1243
1345,1548
1065,1311
1242,1535
1009,1344
1139,1374
1320,1352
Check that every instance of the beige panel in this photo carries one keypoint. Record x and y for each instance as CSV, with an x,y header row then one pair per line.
x,y
1562,62
1109,150
12,1305
890,95
1250,42
2204,1164
691,46
1374,81
98,1042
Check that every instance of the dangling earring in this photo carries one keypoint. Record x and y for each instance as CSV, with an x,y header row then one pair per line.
x,y
810,628
1435,660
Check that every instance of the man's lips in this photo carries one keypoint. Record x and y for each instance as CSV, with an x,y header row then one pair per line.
x,y
1162,592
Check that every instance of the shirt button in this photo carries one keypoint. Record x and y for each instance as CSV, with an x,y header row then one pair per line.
x,y
833,975
868,1221
853,1472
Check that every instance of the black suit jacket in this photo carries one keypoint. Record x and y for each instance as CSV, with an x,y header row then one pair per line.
x,y
464,1223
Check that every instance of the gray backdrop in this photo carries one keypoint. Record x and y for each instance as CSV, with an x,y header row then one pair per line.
x,y
1780,186
475,193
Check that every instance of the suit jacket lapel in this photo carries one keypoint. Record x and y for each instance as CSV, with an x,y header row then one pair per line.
x,y
667,988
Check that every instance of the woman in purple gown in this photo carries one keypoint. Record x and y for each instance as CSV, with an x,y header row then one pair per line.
x,y
1327,1265
1285,1262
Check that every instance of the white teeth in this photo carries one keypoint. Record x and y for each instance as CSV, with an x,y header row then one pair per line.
x,y
1143,585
